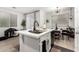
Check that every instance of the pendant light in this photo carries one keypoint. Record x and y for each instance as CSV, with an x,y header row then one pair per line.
x,y
57,11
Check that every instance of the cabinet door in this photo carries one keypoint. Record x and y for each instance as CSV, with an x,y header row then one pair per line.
x,y
46,38
48,42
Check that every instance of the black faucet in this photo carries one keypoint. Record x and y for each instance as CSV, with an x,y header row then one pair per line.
x,y
35,22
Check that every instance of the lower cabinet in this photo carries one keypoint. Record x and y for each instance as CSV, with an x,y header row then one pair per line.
x,y
45,43
30,44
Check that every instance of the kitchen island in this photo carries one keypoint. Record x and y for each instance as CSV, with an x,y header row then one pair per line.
x,y
35,42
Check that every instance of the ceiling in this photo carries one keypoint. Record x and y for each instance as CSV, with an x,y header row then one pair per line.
x,y
27,9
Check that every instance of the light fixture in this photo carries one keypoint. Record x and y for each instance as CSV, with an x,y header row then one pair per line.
x,y
57,11
14,7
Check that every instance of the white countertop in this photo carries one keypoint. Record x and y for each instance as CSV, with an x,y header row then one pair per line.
x,y
25,32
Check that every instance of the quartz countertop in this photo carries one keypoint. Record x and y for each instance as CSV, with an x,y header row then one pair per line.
x,y
34,35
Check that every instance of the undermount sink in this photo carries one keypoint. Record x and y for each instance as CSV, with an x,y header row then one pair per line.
x,y
36,31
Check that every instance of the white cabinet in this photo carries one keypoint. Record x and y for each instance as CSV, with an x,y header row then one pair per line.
x,y
46,38
30,44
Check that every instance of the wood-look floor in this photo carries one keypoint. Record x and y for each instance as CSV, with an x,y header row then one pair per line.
x,y
9,45
60,49
12,45
68,44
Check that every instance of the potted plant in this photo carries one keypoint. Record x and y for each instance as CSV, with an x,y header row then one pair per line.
x,y
23,24
56,28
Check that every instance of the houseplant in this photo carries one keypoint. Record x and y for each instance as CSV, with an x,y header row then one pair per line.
x,y
23,24
56,28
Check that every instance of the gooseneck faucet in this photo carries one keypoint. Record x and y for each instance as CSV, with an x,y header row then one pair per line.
x,y
35,23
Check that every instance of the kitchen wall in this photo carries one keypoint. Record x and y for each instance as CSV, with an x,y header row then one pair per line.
x,y
19,19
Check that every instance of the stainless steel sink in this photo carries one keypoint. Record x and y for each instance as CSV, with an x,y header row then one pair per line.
x,y
36,31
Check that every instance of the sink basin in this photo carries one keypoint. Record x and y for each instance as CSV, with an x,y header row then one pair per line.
x,y
36,31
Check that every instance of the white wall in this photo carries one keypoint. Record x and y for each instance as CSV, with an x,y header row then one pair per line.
x,y
29,20
77,28
48,17
72,15
42,18
19,19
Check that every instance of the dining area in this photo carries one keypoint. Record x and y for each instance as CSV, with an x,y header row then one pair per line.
x,y
63,38
61,21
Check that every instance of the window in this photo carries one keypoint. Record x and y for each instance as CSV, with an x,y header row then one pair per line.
x,y
13,20
4,19
8,20
30,20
